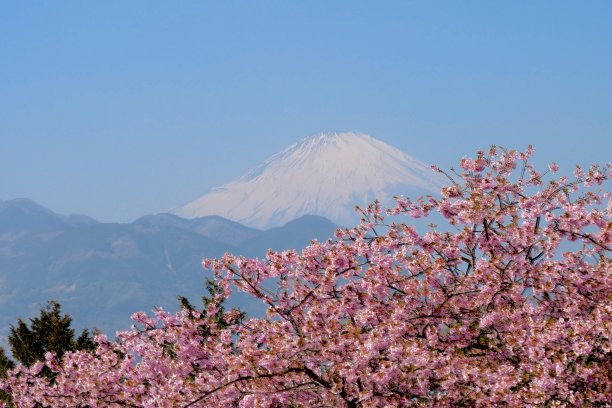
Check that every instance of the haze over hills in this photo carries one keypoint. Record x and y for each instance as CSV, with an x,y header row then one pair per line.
x,y
326,174
103,272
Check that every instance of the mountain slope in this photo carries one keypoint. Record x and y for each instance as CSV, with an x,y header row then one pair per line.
x,y
103,272
295,234
24,216
212,226
326,175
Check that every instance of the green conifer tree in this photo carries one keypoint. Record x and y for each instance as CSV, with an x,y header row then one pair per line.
x,y
5,363
49,332
219,317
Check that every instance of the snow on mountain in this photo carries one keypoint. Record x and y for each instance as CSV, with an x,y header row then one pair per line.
x,y
326,174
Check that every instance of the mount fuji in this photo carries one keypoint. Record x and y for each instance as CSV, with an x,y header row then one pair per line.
x,y
326,174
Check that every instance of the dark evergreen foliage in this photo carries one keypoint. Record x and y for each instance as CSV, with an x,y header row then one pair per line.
x,y
49,332
5,363
220,319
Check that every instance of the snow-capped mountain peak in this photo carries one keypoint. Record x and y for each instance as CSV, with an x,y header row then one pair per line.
x,y
326,174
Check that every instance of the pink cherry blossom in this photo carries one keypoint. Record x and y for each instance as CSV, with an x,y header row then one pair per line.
x,y
507,305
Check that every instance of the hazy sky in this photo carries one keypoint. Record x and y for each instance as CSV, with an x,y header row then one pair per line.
x,y
117,109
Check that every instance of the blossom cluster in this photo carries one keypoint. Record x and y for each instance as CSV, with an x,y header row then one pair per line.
x,y
507,303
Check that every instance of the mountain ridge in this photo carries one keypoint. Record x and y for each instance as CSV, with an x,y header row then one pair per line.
x,y
101,273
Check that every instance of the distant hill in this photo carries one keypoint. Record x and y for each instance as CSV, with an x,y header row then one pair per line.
x,y
291,235
103,272
212,226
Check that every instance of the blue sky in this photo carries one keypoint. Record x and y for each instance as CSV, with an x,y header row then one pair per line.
x,y
119,109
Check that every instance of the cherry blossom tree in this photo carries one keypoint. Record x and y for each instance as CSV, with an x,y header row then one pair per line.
x,y
506,302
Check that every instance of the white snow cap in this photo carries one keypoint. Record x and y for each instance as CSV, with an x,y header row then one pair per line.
x,y
326,174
